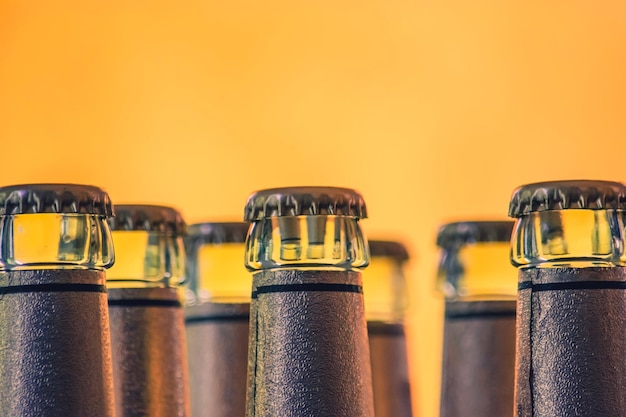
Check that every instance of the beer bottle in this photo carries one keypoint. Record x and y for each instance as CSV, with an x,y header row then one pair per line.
x,y
568,243
308,353
479,285
217,317
147,322
385,306
55,352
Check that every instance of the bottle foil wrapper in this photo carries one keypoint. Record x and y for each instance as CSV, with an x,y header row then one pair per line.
x,y
309,353
390,370
478,376
217,346
571,330
149,352
55,350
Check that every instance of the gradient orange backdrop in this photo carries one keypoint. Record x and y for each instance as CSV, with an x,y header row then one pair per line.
x,y
434,110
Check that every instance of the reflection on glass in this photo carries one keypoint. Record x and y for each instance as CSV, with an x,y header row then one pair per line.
x,y
82,241
306,241
146,259
575,237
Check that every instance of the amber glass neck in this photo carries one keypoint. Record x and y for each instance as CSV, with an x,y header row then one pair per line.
x,y
52,240
217,273
146,259
385,290
569,238
328,242
479,271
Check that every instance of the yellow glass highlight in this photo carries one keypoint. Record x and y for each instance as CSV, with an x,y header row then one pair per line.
x,y
384,290
484,272
576,237
306,241
52,239
146,259
222,277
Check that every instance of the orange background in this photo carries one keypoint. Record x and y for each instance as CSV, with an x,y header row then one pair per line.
x,y
434,110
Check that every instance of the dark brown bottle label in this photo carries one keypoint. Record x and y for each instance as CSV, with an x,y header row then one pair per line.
x,y
149,352
55,357
309,353
390,370
217,345
478,377
571,341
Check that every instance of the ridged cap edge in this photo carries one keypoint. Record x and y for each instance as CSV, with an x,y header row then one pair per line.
x,y
464,233
149,218
218,232
54,198
564,195
389,248
304,201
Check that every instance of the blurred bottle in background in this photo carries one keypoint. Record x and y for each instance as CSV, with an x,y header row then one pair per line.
x,y
308,354
217,318
571,331
386,295
147,322
479,327
55,357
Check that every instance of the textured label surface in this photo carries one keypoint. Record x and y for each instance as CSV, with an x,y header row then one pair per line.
x,y
149,353
571,343
217,345
478,359
309,354
55,352
390,371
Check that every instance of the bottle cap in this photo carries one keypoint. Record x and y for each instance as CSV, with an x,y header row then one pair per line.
x,y
390,249
218,232
564,195
305,201
458,234
148,218
54,198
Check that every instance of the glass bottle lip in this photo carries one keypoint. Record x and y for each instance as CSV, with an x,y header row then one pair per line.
x,y
385,288
454,238
549,239
166,252
81,241
285,242
213,273
476,271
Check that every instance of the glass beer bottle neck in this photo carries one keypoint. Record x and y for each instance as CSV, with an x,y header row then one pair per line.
x,y
569,238
146,259
55,240
306,242
480,271
384,290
